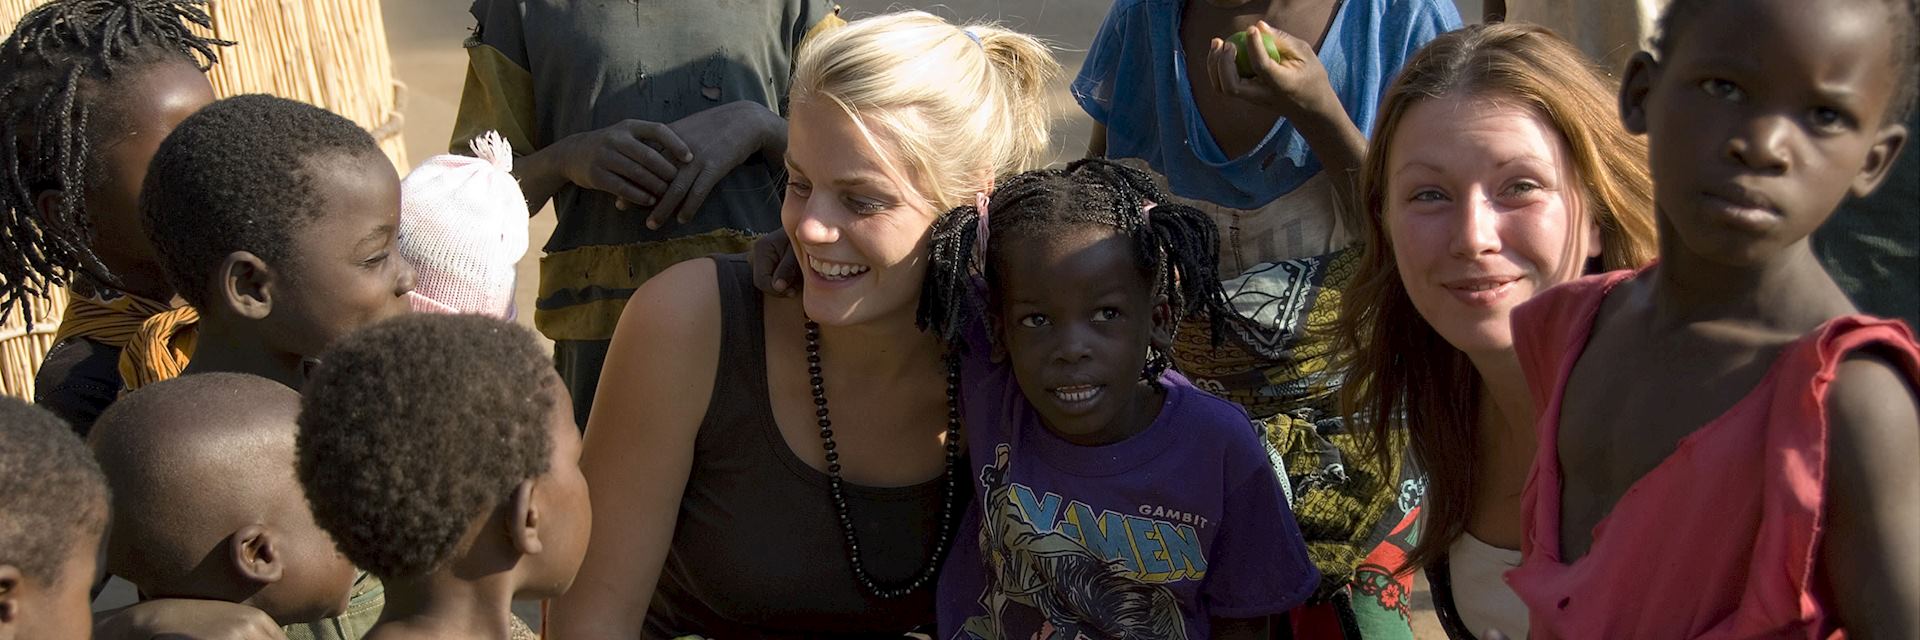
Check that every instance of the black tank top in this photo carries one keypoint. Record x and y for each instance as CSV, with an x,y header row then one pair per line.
x,y
758,551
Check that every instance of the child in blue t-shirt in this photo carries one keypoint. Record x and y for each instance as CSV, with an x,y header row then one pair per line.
x,y
1270,148
1117,500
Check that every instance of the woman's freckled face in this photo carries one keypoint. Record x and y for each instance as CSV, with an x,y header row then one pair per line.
x,y
1483,211
858,229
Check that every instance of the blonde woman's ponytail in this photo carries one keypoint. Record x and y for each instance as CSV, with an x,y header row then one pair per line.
x,y
959,106
1025,68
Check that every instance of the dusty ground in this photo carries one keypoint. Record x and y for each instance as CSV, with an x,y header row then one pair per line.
x,y
425,37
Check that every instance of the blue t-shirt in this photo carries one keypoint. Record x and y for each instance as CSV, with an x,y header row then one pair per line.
x,y
1155,534
1134,81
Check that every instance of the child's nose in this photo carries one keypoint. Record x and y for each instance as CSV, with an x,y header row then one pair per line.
x,y
1075,345
402,281
1761,142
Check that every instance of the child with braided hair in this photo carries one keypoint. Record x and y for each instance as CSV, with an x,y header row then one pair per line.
x,y
1119,500
90,88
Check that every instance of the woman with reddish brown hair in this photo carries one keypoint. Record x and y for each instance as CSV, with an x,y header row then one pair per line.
x,y
1499,168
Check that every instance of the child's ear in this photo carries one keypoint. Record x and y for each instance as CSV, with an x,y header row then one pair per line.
x,y
254,552
1880,157
1635,84
48,203
10,579
1162,334
524,527
246,285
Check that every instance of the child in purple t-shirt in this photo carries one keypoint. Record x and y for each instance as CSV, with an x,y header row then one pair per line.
x,y
1117,500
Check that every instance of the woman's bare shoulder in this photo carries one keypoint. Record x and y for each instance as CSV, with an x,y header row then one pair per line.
x,y
680,303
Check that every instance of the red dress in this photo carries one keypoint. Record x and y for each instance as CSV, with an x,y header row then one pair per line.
x,y
1719,539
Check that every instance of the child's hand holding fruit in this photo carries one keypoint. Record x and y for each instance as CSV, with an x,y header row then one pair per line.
x,y
1288,79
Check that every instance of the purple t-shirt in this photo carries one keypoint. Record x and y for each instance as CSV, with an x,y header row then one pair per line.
x,y
1155,534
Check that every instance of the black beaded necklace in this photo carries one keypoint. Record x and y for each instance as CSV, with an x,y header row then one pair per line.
x,y
932,567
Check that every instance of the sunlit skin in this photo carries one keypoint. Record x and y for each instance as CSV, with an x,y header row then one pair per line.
x,y
348,273
562,490
318,579
859,229
139,108
1483,211
266,317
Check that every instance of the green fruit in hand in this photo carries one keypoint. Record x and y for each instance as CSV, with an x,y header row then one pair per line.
x,y
1245,64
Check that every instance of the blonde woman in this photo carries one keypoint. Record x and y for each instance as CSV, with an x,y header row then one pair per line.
x,y
1499,169
810,485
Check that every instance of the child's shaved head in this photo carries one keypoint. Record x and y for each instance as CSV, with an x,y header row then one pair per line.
x,y
206,502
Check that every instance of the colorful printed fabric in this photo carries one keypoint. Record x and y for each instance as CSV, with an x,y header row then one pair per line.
x,y
364,604
1348,506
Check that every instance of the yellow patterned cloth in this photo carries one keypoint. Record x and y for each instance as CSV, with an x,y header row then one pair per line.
x,y
1289,382
161,349
155,339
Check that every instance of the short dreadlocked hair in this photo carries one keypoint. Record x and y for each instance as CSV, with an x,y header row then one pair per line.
x,y
1176,247
416,427
51,491
60,56
242,175
1905,27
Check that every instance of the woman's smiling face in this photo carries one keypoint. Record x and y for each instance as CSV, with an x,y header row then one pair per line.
x,y
1483,211
859,227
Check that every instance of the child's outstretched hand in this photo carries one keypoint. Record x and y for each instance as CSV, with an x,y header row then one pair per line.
x,y
1293,85
719,139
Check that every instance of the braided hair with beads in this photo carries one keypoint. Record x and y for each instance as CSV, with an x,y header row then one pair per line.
x,y
54,64
1175,246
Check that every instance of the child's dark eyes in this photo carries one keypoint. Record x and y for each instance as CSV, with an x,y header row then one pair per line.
x,y
1106,315
1830,119
1033,321
1723,90
376,260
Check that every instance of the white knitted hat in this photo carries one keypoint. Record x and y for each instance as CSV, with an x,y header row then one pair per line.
x,y
463,226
